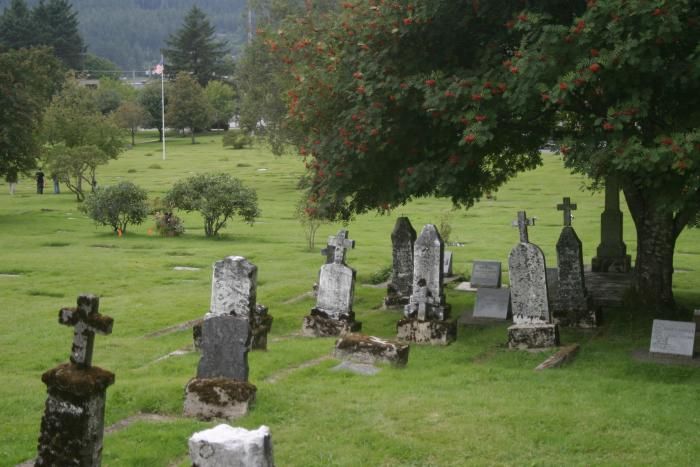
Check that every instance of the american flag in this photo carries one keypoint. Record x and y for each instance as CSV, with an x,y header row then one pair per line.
x,y
158,70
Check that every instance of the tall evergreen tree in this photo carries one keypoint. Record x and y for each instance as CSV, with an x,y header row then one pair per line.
x,y
16,30
56,25
193,49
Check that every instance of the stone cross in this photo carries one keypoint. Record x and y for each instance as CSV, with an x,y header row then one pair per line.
x,y
522,224
423,299
86,321
567,207
341,243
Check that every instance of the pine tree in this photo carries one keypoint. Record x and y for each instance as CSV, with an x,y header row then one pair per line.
x,y
193,49
16,29
56,25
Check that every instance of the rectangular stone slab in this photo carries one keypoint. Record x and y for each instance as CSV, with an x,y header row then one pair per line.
x,y
336,288
672,337
225,344
447,264
486,274
492,303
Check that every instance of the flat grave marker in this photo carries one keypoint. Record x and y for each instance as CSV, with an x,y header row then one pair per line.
x,y
672,337
486,273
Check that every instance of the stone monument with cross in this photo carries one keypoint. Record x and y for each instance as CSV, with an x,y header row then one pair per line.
x,y
234,292
333,315
426,316
612,252
73,423
532,323
572,305
403,237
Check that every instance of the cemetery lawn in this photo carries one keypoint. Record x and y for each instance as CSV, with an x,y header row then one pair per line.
x,y
473,402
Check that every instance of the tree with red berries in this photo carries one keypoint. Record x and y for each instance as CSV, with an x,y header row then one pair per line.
x,y
393,100
623,80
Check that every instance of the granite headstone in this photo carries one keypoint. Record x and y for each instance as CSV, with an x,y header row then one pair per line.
x,y
673,337
492,303
486,273
225,348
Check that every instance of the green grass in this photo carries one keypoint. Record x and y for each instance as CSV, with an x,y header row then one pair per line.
x,y
473,402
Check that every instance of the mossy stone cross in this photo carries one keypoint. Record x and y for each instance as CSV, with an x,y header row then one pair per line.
x,y
86,321
522,224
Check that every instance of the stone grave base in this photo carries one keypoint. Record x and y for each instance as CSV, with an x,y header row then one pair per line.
x,y
73,423
369,349
586,319
426,332
259,330
316,325
533,336
207,398
225,445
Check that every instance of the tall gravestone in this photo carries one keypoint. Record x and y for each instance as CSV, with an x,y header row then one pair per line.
x,y
532,323
612,252
73,424
221,388
333,315
403,237
572,305
426,316
234,292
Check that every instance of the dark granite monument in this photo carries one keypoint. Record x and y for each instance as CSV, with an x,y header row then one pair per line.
x,y
612,252
399,288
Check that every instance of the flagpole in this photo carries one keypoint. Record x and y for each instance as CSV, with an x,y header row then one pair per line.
x,y
162,102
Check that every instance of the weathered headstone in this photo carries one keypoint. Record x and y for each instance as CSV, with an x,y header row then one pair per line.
x,y
72,427
333,315
492,304
221,388
571,304
486,274
612,252
234,293
225,348
532,324
427,313
227,446
402,239
447,264
673,337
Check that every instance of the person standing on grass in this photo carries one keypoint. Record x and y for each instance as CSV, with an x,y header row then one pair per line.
x,y
40,182
56,186
11,178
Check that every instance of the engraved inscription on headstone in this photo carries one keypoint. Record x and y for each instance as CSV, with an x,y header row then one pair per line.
x,y
528,285
672,337
492,303
428,255
486,274
403,238
336,289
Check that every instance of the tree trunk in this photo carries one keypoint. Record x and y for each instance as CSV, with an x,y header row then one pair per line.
x,y
192,131
656,240
160,135
133,137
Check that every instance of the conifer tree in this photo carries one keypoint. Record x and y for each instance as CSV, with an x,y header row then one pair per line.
x,y
16,26
193,49
56,25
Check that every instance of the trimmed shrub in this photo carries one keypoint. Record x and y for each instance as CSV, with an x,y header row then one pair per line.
x,y
236,139
117,206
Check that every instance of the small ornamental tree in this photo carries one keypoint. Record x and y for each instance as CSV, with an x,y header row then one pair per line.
x,y
131,115
188,106
217,197
222,101
622,80
117,206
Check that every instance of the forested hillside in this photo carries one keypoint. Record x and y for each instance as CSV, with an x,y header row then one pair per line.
x,y
132,32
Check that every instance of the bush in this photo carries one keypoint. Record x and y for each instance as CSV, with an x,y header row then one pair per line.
x,y
237,139
155,166
117,206
168,224
217,197
380,276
